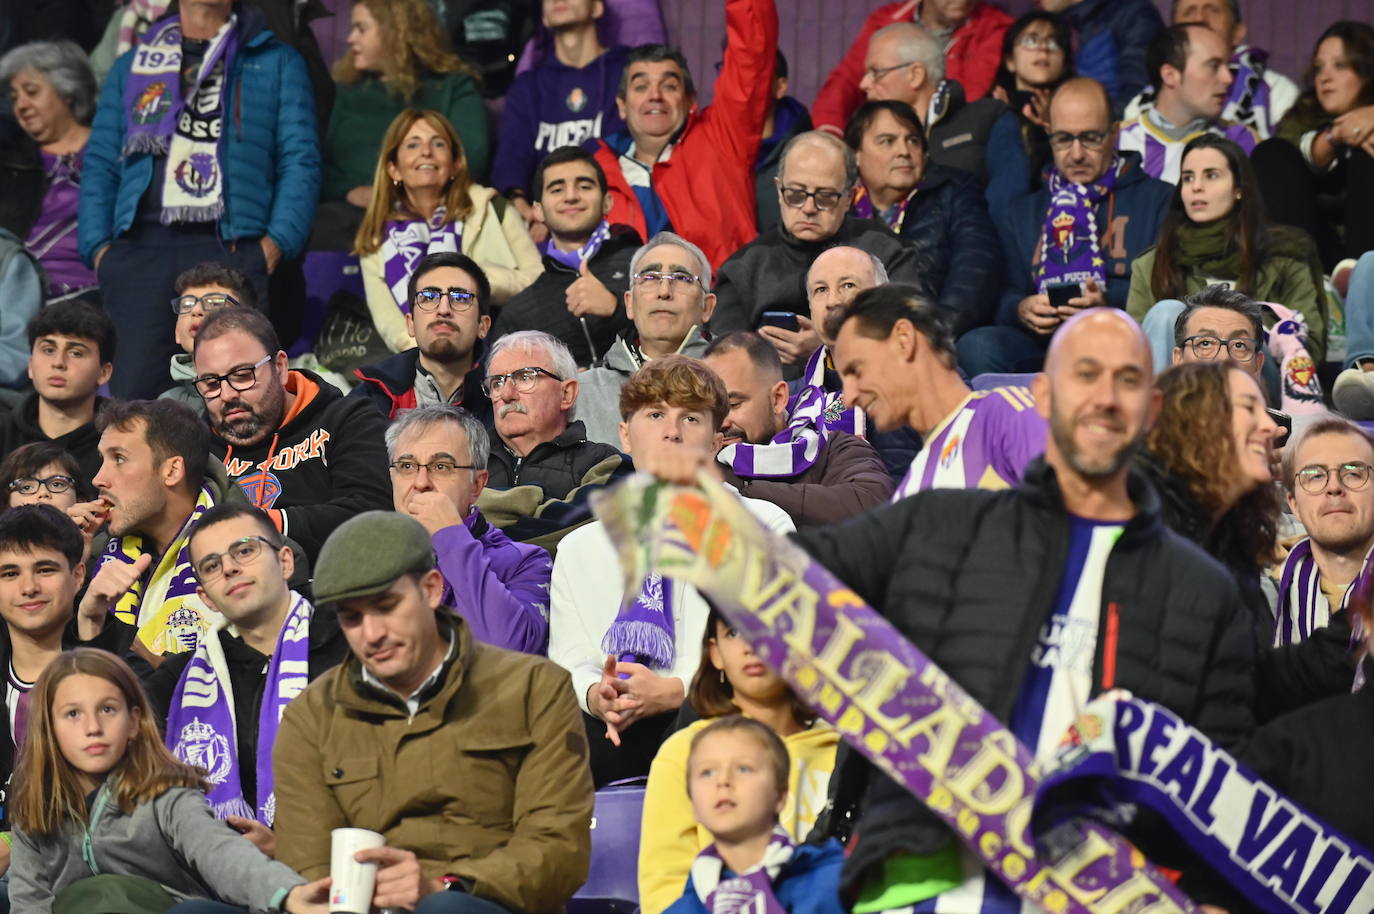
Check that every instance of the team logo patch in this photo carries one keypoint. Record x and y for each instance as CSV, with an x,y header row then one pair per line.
x,y
198,175
199,744
950,449
576,100
1063,231
152,104
261,487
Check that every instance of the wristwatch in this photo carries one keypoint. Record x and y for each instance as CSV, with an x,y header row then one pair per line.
x,y
454,883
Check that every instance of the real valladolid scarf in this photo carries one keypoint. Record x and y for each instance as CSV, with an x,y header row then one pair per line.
x,y
407,241
161,120
1070,247
202,726
575,259
750,892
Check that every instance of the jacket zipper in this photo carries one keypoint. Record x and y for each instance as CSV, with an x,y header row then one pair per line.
x,y
1109,647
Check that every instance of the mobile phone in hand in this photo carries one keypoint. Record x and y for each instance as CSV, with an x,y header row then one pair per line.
x,y
1060,292
785,320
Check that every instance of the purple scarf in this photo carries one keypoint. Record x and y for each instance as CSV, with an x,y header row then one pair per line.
x,y
750,892
893,215
1070,248
1248,101
794,449
202,720
575,259
408,241
643,630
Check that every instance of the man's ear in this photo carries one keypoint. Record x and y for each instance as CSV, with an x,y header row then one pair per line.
x,y
780,85
479,482
106,370
778,397
538,211
1177,356
483,326
173,471
288,562
569,396
708,305
1170,76
625,437
903,340
1238,33
410,325
432,588
621,108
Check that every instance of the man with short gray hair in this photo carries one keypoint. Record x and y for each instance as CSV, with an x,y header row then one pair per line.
x,y
815,187
438,457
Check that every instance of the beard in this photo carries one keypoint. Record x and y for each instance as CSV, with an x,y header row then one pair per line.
x,y
251,429
1088,466
450,348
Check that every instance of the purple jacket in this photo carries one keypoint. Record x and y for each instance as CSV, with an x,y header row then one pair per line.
x,y
499,586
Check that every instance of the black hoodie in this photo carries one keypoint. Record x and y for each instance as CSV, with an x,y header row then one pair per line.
x,y
326,463
20,427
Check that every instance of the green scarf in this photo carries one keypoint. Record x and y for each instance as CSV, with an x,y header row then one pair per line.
x,y
1207,249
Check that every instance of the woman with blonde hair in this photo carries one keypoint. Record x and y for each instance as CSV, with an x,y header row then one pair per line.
x,y
424,201
397,58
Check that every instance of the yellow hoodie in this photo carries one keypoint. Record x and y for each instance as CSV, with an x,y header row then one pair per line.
x,y
670,837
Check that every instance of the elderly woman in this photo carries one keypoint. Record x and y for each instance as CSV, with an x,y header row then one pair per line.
x,y
937,210
53,92
424,201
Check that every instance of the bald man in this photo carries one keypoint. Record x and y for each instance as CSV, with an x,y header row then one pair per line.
x,y
815,187
1069,246
1037,598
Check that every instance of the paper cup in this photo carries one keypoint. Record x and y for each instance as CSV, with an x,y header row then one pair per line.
x,y
351,891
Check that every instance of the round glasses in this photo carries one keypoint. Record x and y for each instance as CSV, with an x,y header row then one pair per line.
x,y
29,485
524,380
185,304
242,378
1353,476
1242,349
242,552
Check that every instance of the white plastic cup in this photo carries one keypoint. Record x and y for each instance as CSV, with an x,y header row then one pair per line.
x,y
351,891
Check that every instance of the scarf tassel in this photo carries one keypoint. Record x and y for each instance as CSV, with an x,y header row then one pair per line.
x,y
643,639
210,213
152,144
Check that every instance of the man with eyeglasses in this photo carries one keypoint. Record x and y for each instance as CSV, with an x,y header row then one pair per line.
x,y
308,456
438,460
450,314
970,37
1218,323
200,290
815,187
669,301
1075,237
71,351
220,705
1192,82
1260,95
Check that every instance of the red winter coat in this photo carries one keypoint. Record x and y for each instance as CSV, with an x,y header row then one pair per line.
x,y
707,184
974,54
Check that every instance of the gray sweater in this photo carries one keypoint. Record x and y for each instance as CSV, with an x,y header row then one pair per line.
x,y
173,840
598,391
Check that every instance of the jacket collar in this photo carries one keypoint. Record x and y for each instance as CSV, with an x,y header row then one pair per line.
x,y
626,358
574,435
353,693
1040,485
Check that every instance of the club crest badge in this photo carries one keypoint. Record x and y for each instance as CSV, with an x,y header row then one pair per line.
x,y
576,100
200,744
198,174
152,104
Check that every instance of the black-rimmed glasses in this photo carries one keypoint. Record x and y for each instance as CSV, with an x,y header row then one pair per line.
x,y
185,304
1204,346
242,378
29,485
458,299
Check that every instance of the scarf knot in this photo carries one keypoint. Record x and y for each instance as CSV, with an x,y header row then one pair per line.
x,y
750,892
575,259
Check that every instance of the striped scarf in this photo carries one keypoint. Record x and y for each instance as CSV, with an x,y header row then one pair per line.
x,y
797,447
750,892
407,241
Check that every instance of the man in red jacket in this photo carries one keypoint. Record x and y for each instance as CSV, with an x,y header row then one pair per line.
x,y
972,35
687,170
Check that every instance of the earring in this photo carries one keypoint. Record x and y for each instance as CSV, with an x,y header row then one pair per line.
x,y
722,677
398,185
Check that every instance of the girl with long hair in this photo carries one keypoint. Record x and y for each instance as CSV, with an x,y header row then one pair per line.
x,y
1318,172
103,810
1216,229
1208,454
398,57
424,201
730,680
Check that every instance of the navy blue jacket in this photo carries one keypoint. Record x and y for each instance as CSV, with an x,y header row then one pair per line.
x,y
1112,36
1129,219
808,884
269,150
947,225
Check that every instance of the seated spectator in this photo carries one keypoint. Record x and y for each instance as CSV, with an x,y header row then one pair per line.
x,y
53,92
816,475
1259,96
937,211
200,290
424,201
669,301
1215,230
265,644
298,448
786,118
71,351
714,148
1097,212
742,762
397,58
1318,174
968,33
470,760
730,680
1208,455
815,186
1111,37
579,296
1191,82
1326,477
42,569
161,838
1035,61
156,481
895,356
449,316
438,460
42,474
1215,323
542,466
566,99
631,655
161,195
905,63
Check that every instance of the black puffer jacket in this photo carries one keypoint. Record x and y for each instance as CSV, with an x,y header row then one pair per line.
x,y
556,466
969,577
948,226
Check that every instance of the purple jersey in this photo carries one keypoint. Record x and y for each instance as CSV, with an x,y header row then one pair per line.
x,y
984,444
1162,156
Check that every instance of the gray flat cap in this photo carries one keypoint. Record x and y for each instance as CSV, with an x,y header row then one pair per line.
x,y
367,553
